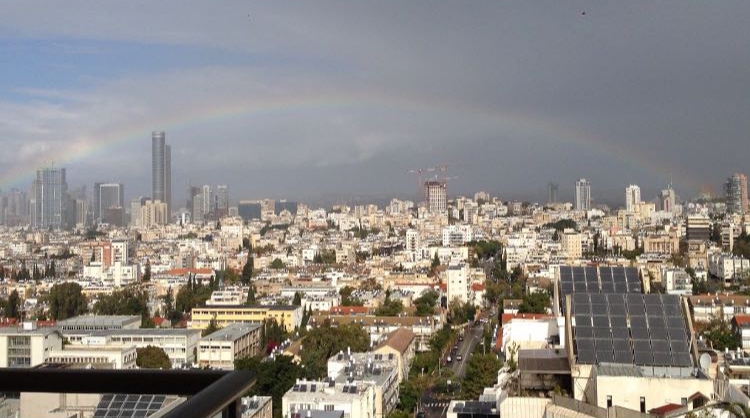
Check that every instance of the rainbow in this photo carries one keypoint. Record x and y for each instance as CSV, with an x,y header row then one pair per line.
x,y
506,120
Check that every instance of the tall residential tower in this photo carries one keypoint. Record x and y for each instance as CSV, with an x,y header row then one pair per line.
x,y
583,195
632,197
49,199
161,169
736,192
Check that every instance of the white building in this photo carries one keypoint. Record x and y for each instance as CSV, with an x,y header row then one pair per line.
x,y
27,346
676,281
357,400
632,197
412,240
96,356
583,195
180,345
454,235
220,349
457,278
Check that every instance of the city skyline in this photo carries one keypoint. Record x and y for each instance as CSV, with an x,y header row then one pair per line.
x,y
311,114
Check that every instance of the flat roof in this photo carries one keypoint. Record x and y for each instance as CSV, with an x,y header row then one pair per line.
x,y
231,332
21,330
146,331
255,307
99,320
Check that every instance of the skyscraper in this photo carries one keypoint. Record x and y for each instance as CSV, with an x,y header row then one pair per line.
x,y
632,197
736,192
222,201
49,195
161,169
436,193
552,192
583,195
107,196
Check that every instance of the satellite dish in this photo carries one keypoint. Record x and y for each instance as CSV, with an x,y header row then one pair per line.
x,y
705,361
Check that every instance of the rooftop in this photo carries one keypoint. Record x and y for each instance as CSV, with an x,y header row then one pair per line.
x,y
99,321
231,332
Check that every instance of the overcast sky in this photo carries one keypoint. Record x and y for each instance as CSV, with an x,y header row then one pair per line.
x,y
308,99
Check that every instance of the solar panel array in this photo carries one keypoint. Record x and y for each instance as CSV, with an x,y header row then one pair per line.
x,y
646,330
598,280
128,406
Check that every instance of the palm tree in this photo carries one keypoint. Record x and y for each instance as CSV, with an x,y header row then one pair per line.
x,y
738,410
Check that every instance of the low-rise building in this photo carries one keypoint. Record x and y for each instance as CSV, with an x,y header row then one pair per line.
x,y
257,407
99,323
96,356
401,345
287,316
220,349
356,400
27,346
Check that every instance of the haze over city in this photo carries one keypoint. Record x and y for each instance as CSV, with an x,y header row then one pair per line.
x,y
301,100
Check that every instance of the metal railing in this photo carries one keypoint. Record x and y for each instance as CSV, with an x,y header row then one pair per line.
x,y
209,392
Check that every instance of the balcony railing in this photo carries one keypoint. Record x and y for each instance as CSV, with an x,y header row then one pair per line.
x,y
209,392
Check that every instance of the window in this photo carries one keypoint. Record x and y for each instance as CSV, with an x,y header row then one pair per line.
x,y
328,408
643,404
684,401
609,401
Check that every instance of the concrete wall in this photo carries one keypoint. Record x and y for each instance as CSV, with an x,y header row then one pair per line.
x,y
626,391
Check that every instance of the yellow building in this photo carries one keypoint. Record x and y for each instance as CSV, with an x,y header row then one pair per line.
x,y
287,316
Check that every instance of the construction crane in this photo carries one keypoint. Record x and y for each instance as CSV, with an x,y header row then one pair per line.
x,y
421,173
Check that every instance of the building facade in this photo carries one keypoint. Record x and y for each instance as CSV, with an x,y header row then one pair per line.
x,y
49,199
583,195
161,169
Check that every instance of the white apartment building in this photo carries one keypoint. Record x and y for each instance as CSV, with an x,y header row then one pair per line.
x,y
27,346
356,399
632,197
412,240
676,281
220,349
728,267
457,278
377,370
454,235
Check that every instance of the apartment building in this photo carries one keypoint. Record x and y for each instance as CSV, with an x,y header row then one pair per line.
x,y
96,356
27,346
220,349
356,400
99,323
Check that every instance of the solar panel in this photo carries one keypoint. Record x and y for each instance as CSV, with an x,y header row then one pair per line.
x,y
620,333
601,321
583,320
584,332
598,309
582,309
621,344
581,298
605,356
662,359
618,310
579,287
655,322
659,334
585,344
662,346
652,299
638,322
598,298
682,359
640,333
641,345
586,356
644,358
654,310
604,344
673,322
673,310
625,357
679,346
602,332
608,288
677,334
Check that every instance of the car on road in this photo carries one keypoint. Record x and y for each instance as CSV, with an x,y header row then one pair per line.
x,y
460,338
459,357
449,359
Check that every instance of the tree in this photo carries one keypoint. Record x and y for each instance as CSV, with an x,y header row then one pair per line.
x,y
128,301
480,373
720,335
151,357
147,272
66,300
460,313
273,378
536,303
211,328
277,264
251,300
247,269
272,334
426,303
435,261
297,301
347,299
323,342
12,307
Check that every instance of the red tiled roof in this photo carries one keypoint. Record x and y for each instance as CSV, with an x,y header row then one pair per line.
x,y
665,409
444,287
46,324
8,322
508,317
742,320
499,343
477,287
158,320
348,310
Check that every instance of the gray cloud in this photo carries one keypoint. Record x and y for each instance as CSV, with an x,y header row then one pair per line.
x,y
346,97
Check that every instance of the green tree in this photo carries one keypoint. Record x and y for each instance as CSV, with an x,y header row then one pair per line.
x,y
720,335
536,303
347,299
325,341
277,264
297,301
247,269
147,272
128,301
389,307
273,378
12,307
66,300
460,313
211,328
151,357
426,303
435,261
481,371
251,300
